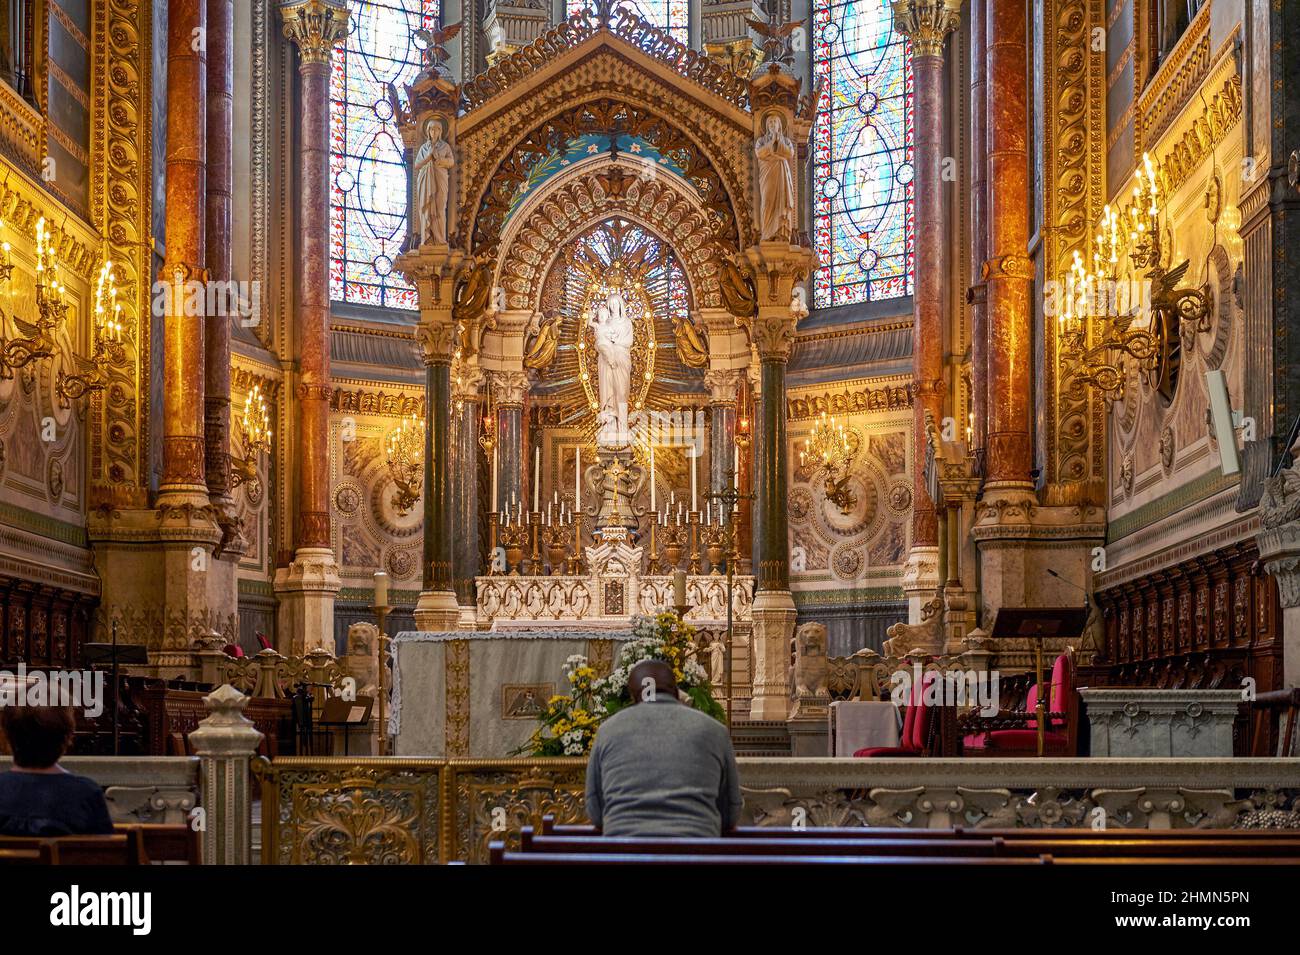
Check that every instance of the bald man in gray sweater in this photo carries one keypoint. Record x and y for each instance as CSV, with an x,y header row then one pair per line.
x,y
660,767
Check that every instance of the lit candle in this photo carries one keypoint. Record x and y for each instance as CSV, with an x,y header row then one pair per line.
x,y
537,479
381,589
652,477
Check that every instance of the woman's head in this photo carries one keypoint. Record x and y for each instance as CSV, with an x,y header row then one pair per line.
x,y
37,735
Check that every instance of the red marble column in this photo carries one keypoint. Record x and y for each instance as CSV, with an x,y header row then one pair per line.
x,y
1008,272
979,224
927,24
927,296
220,178
184,260
316,26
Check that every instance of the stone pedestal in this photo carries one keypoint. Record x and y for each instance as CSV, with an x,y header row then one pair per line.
x,y
773,615
306,590
920,580
438,610
1181,724
810,735
225,742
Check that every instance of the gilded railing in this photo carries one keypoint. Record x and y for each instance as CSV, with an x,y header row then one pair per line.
x,y
395,810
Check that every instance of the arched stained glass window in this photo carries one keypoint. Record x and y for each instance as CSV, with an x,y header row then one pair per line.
x,y
368,195
862,154
671,15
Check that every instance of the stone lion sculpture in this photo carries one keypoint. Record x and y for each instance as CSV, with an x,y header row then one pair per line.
x,y
811,665
926,635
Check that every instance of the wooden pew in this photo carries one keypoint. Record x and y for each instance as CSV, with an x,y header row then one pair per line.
x,y
38,856
549,828
165,843
498,855
996,846
125,848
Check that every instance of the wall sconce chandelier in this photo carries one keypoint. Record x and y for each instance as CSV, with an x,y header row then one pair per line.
x,y
831,448
106,350
1095,300
406,462
255,425
38,338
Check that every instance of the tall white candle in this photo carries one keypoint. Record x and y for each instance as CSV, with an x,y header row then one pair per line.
x,y
537,479
496,504
577,477
381,589
652,477
695,506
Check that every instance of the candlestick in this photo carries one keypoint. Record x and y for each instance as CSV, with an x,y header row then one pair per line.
x,y
693,522
536,566
493,520
652,567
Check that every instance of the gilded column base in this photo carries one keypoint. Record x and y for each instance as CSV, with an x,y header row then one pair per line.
x,y
773,615
306,590
438,611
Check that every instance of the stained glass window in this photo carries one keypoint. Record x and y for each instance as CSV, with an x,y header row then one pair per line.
x,y
671,15
862,154
368,197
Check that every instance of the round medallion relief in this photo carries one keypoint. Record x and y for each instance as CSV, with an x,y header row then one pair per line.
x,y
347,497
401,564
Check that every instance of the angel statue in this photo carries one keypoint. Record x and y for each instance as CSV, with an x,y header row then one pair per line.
x,y
433,163
776,196
692,349
544,338
798,303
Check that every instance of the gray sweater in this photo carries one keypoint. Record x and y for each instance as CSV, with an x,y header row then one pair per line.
x,y
662,769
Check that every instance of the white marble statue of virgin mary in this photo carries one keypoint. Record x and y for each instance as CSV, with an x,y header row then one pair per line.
x,y
776,196
433,162
614,336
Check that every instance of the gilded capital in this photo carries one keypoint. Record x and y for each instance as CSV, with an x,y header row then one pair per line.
x,y
926,23
317,26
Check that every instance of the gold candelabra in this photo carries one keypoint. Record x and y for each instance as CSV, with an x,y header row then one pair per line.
x,y
830,447
38,338
405,457
1099,332
107,346
255,426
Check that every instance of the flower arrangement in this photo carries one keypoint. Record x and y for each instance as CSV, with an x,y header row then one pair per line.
x,y
567,727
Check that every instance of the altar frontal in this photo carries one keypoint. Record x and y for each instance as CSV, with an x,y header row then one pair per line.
x,y
477,693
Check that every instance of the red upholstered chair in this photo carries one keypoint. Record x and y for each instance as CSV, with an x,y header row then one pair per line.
x,y
914,740
1016,733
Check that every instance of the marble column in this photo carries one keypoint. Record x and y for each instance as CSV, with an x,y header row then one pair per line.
x,y
508,391
1008,272
187,532
307,587
722,385
184,263
223,591
927,24
216,372
978,225
467,403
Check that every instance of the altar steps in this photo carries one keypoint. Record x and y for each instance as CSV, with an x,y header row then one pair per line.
x,y
760,738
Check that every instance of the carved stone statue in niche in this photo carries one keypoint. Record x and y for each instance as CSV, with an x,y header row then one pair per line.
x,y
544,338
692,349
433,163
775,153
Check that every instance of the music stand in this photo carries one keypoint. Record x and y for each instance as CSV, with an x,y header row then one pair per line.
x,y
346,713
112,655
1038,623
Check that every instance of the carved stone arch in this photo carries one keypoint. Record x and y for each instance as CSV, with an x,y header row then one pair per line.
x,y
489,190
569,206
